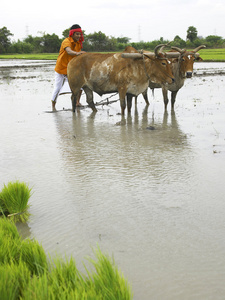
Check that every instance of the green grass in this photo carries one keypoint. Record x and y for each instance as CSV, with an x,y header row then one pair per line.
x,y
14,199
212,54
26,273
206,54
38,56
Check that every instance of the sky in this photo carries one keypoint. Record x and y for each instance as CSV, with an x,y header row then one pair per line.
x,y
139,20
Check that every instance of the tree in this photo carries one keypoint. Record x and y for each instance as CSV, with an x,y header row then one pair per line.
x,y
20,47
36,42
98,41
4,39
123,40
178,42
65,33
214,41
51,43
192,33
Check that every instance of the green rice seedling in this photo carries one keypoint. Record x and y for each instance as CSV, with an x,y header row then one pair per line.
x,y
13,280
107,279
14,201
9,250
8,229
26,273
9,287
65,276
38,288
3,209
10,241
33,254
105,282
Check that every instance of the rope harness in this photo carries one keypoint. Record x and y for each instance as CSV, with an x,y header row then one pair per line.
x,y
143,57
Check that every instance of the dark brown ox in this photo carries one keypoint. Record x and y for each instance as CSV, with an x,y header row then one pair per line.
x,y
110,72
182,68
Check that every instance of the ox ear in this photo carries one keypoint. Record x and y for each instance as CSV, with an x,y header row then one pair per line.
x,y
197,57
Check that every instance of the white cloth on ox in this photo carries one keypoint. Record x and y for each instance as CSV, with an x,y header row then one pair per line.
x,y
61,86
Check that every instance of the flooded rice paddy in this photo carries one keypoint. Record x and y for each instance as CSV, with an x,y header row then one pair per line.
x,y
149,189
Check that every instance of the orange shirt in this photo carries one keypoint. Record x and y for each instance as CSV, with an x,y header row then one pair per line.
x,y
64,58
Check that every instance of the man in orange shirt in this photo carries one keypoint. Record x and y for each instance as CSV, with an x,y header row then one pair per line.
x,y
70,47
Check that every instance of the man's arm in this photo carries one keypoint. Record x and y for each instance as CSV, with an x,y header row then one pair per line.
x,y
73,53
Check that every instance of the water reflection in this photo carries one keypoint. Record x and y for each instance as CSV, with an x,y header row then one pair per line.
x,y
24,230
123,175
96,148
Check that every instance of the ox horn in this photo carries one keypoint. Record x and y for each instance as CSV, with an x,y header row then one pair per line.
x,y
194,52
158,48
181,51
198,48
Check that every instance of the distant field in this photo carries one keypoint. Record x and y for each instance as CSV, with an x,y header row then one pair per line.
x,y
206,55
38,56
212,54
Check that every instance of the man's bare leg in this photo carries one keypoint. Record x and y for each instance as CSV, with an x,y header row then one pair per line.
x,y
53,105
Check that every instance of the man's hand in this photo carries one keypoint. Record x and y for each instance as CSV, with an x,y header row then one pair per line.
x,y
73,53
81,52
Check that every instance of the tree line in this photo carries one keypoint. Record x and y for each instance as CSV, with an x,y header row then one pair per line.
x,y
100,42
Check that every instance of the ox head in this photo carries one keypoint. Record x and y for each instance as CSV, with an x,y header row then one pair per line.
x,y
161,71
162,66
156,65
186,60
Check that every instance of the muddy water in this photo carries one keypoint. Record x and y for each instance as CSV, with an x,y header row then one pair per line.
x,y
148,188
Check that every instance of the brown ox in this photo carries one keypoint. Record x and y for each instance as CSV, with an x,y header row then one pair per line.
x,y
110,72
182,68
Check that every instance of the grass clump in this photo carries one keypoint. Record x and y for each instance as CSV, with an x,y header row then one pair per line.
x,y
10,241
26,273
106,279
14,199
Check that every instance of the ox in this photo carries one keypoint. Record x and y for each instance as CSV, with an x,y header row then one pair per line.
x,y
110,72
182,68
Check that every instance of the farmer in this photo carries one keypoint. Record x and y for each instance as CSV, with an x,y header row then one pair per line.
x,y
70,47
